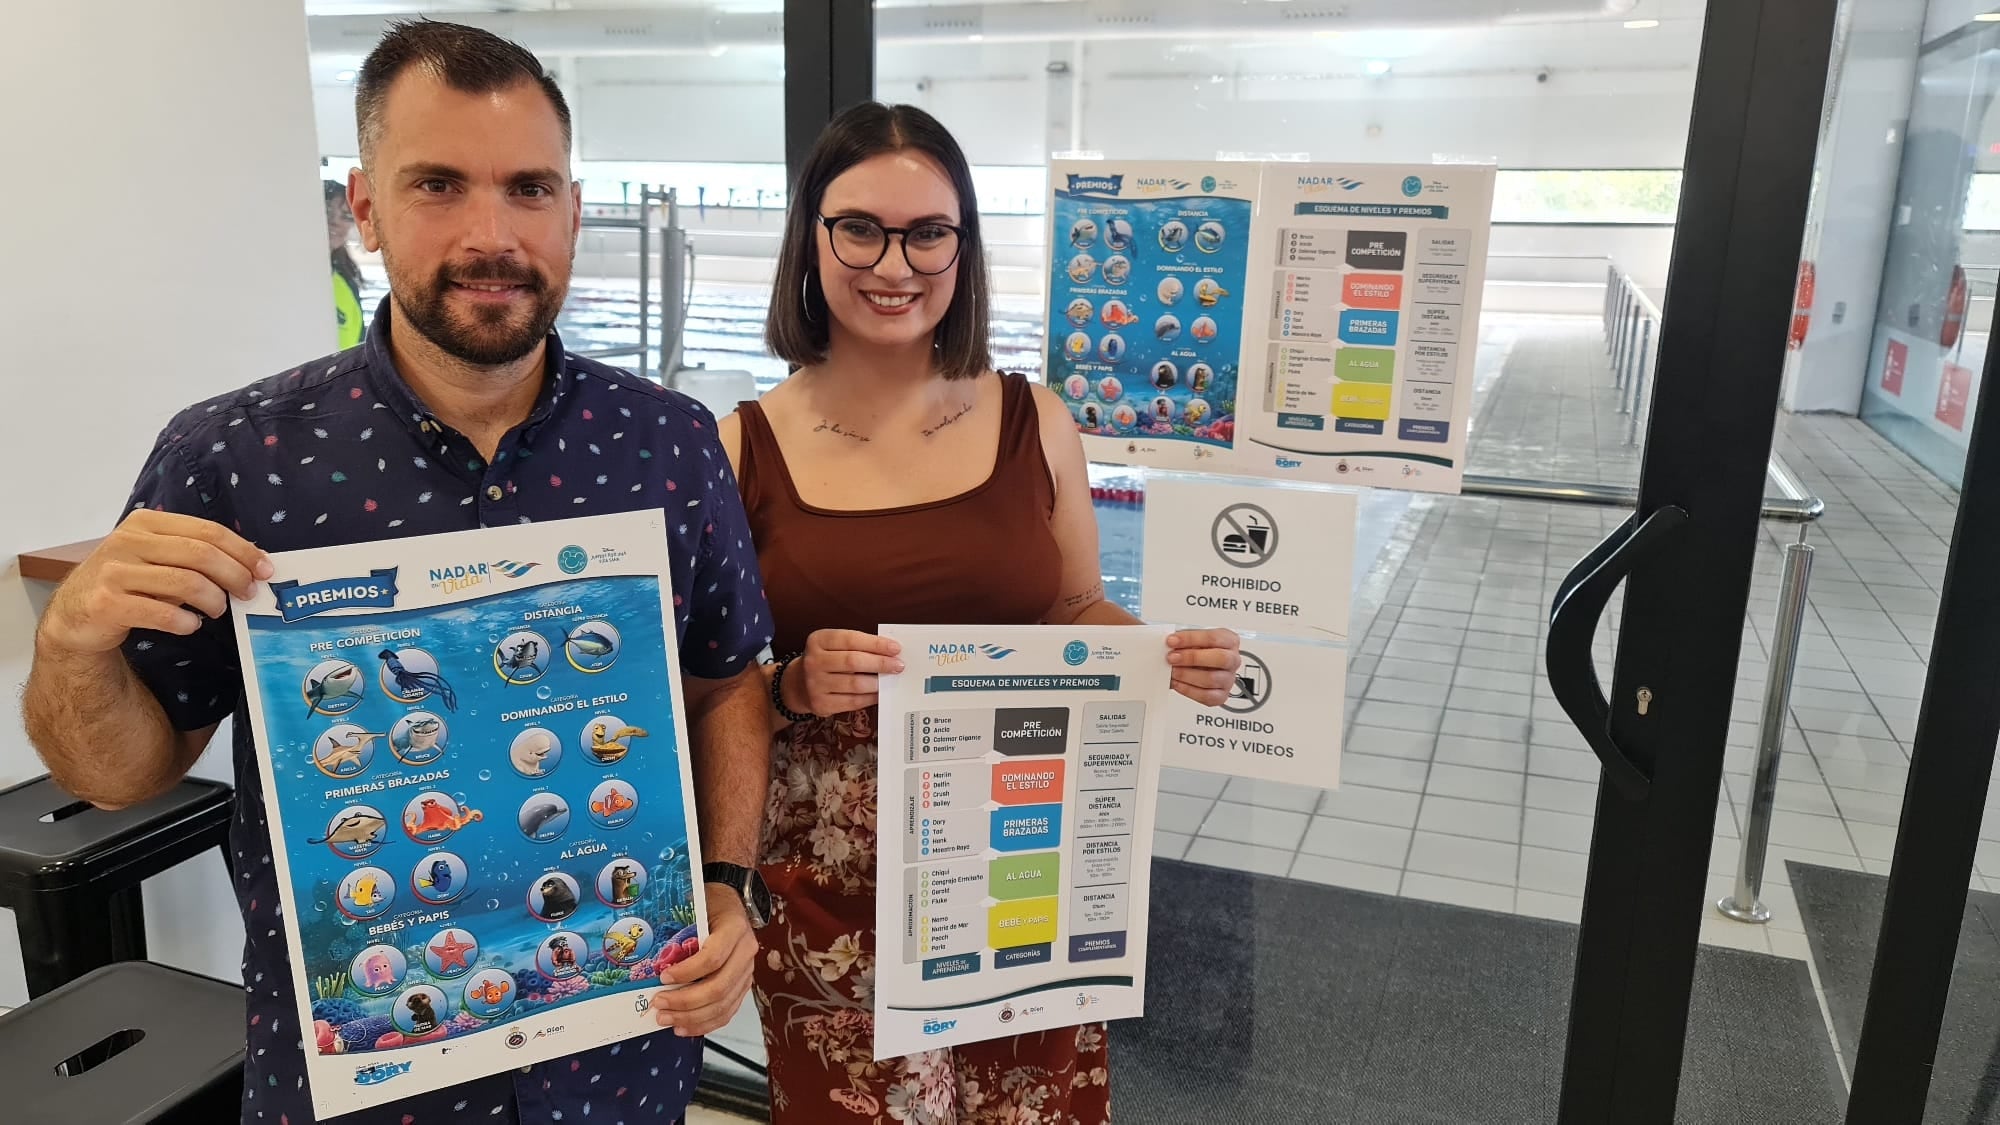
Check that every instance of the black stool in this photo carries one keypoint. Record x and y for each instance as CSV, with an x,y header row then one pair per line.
x,y
127,1044
71,872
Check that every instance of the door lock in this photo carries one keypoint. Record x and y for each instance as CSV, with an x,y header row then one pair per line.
x,y
1645,699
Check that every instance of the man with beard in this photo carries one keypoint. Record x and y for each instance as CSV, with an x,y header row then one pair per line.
x,y
460,410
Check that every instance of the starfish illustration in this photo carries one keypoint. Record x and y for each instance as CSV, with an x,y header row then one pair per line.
x,y
451,951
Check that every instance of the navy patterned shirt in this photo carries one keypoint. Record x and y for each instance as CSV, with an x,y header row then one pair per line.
x,y
342,451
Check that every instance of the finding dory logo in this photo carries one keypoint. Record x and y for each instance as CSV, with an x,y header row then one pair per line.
x,y
378,1073
298,601
1096,185
959,654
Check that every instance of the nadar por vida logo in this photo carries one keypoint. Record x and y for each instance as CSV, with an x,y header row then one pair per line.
x,y
955,653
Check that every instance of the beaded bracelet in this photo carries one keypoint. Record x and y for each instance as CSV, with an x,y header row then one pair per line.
x,y
778,690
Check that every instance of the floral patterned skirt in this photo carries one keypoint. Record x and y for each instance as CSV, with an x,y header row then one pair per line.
x,y
816,978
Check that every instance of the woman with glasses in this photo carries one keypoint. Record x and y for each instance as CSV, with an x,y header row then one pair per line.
x,y
894,477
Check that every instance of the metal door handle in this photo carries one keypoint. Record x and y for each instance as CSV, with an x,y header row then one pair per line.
x,y
1580,602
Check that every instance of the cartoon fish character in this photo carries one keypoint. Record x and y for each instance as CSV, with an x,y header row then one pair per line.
x,y
364,895
614,802
490,993
340,683
591,642
439,880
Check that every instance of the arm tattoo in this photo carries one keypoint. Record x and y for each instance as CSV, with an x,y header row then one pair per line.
x,y
826,427
1088,597
949,419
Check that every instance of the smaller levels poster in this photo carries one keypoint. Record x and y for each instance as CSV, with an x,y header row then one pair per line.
x,y
475,760
1020,774
1146,299
1366,288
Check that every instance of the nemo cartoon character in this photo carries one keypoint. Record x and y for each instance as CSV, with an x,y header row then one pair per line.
x,y
616,801
490,993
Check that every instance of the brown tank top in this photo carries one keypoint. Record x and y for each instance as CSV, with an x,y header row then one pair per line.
x,y
982,557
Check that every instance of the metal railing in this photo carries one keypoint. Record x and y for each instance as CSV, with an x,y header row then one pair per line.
x,y
1631,334
1631,327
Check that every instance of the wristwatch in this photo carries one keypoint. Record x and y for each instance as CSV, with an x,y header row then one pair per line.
x,y
746,882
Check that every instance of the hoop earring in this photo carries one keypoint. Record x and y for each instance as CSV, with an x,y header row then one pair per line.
x,y
805,299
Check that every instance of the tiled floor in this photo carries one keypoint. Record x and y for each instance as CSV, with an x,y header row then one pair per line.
x,y
1463,781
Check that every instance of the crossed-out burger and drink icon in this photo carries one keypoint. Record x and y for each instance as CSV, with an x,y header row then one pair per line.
x,y
1245,536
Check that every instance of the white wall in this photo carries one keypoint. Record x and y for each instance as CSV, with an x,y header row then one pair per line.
x,y
180,254
1847,230
1611,99
1947,16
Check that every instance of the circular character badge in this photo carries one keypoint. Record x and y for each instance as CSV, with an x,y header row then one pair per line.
x,y
1196,411
1118,234
1203,330
1091,416
1076,386
560,956
1208,237
1110,389
420,1011
1199,377
365,893
621,882
1111,349
1171,290
1124,417
344,750
1167,329
544,817
378,970
440,878
614,803
1082,268
431,817
1117,269
489,993
607,739
628,940
411,675
1163,410
553,897
1165,376
451,953
521,657
1207,292
418,738
1173,236
593,646
1083,234
333,687
355,832
1077,345
535,752
1079,312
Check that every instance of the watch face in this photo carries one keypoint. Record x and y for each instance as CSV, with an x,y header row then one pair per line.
x,y
757,897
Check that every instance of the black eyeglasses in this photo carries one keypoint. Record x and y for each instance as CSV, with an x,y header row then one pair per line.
x,y
861,244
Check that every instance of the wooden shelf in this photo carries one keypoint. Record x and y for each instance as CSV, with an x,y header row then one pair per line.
x,y
53,564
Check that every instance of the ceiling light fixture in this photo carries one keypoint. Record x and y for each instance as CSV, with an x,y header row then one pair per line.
x,y
1378,67
1641,25
344,76
1987,17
